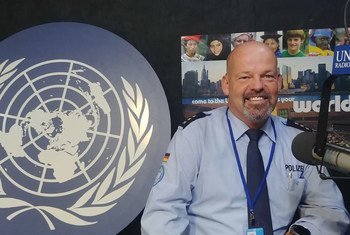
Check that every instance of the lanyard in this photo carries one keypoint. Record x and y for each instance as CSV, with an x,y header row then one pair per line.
x,y
251,203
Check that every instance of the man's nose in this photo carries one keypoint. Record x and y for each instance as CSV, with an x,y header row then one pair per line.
x,y
256,83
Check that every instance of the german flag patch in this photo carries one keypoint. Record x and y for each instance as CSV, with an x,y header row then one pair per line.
x,y
166,157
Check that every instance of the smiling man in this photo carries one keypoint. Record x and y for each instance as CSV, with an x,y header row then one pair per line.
x,y
252,84
206,187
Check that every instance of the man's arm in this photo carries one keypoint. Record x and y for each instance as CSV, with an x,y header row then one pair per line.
x,y
322,208
166,209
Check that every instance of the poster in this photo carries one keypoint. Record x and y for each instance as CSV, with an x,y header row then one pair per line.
x,y
304,57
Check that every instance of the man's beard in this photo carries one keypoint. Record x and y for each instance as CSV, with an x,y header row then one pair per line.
x,y
258,116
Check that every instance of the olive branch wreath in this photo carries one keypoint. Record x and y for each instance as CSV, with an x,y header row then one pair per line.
x,y
104,195
6,71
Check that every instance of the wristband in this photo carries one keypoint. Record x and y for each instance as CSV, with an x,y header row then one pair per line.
x,y
299,230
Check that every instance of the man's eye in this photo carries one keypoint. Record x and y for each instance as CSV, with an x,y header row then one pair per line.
x,y
269,77
244,77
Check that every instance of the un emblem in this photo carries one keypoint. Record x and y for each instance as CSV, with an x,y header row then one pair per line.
x,y
83,126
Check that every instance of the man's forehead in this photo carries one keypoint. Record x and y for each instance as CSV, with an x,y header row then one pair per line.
x,y
249,69
240,68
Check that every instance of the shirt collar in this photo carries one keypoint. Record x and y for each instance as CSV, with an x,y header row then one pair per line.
x,y
268,129
239,127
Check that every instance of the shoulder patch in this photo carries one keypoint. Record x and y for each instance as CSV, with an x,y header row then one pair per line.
x,y
193,118
297,125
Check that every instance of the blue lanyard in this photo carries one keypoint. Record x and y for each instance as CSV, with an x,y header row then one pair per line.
x,y
251,203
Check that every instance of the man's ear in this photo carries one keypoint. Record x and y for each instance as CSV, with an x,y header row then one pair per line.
x,y
225,84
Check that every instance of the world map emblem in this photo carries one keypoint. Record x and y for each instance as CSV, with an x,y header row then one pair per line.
x,y
82,131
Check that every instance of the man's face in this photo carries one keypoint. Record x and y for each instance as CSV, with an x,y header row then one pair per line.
x,y
216,47
191,47
294,44
240,40
252,83
322,42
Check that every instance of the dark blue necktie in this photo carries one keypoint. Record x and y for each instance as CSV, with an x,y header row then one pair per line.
x,y
255,175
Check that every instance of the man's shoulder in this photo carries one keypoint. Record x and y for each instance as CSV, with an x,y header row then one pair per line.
x,y
192,119
289,124
203,118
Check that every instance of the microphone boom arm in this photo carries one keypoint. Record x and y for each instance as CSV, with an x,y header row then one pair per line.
x,y
321,136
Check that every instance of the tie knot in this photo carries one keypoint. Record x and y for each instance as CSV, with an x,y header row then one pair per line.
x,y
254,134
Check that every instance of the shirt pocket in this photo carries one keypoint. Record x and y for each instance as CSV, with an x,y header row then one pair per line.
x,y
293,185
286,198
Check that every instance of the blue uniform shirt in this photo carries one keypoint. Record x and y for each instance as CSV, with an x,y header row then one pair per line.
x,y
199,189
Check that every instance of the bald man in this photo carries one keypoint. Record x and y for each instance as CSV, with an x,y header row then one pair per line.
x,y
202,188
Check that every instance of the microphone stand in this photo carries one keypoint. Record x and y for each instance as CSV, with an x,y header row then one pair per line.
x,y
321,135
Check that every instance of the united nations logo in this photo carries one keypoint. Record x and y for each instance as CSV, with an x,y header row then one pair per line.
x,y
84,124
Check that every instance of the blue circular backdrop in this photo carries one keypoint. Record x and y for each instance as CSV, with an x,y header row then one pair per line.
x,y
84,123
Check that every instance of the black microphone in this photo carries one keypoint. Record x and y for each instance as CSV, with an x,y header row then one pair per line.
x,y
335,157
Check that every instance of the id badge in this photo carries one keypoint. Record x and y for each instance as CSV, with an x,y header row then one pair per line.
x,y
255,231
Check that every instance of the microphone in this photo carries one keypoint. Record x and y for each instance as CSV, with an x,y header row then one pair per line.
x,y
335,157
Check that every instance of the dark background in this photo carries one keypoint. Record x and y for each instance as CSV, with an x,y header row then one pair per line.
x,y
154,28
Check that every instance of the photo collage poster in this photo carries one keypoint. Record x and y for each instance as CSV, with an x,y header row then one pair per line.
x,y
304,58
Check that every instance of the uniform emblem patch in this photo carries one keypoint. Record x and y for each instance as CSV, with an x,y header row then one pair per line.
x,y
159,176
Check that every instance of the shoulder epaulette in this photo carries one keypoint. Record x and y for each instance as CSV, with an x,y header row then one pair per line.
x,y
193,118
297,125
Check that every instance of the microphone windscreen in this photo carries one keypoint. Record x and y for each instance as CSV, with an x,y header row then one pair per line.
x,y
302,147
